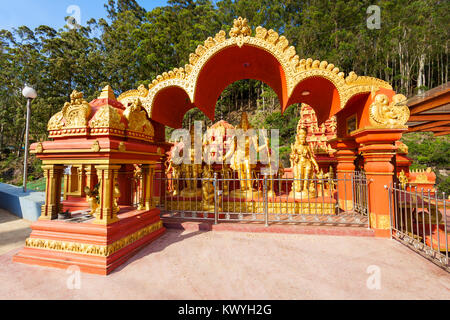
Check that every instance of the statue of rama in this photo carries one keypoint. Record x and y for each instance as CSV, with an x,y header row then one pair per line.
x,y
241,160
191,171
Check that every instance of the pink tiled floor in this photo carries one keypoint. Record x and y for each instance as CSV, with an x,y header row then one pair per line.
x,y
233,265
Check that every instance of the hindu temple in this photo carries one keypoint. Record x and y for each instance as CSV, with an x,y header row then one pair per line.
x,y
112,178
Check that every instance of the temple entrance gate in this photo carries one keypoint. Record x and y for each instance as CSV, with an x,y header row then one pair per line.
x,y
370,116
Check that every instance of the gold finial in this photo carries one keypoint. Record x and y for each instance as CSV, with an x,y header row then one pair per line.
x,y
107,93
240,28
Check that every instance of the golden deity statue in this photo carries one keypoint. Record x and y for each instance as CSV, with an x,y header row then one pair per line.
x,y
92,198
175,171
208,190
116,196
303,164
191,171
227,175
241,161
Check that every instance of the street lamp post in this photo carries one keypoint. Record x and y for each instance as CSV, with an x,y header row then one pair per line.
x,y
30,94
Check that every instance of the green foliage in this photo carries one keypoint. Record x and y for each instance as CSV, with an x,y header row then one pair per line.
x,y
426,150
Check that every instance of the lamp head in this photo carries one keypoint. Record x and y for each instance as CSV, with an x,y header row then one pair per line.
x,y
29,92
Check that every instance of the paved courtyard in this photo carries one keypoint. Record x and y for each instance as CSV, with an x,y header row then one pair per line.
x,y
232,265
13,231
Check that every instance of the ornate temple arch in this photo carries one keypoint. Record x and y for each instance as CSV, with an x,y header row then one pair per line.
x,y
293,71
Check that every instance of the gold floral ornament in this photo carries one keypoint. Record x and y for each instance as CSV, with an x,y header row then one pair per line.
x,y
295,69
74,114
137,119
131,95
240,30
389,115
107,117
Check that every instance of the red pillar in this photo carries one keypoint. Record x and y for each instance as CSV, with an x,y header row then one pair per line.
x,y
378,147
346,152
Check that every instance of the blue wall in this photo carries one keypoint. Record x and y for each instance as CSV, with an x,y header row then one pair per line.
x,y
24,205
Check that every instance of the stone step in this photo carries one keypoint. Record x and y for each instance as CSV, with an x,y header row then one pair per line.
x,y
170,223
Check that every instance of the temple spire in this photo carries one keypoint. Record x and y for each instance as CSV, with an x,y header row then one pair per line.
x,y
107,93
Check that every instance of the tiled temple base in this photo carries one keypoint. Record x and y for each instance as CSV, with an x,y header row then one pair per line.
x,y
93,248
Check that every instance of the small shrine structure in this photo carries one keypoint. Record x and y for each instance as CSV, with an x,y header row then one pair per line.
x,y
109,152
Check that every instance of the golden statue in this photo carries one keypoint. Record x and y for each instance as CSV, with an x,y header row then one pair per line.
x,y
92,198
175,171
191,171
241,162
208,194
303,163
116,196
389,115
227,174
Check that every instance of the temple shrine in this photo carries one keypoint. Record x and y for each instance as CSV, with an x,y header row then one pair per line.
x,y
111,177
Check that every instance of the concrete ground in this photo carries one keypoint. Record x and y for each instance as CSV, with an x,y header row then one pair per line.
x,y
13,231
232,265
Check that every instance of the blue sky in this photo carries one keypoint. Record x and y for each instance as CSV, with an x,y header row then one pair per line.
x,y
33,13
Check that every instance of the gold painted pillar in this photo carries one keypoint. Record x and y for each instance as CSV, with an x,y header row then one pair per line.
x,y
90,176
107,175
52,206
66,186
81,170
146,202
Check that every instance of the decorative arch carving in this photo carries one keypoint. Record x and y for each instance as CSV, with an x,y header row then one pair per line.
x,y
295,69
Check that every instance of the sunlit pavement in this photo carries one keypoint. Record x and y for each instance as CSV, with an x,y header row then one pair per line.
x,y
232,265
13,231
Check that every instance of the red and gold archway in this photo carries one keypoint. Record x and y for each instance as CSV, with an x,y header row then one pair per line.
x,y
370,116
267,57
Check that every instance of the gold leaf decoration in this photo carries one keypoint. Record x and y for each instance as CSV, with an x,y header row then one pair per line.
x,y
240,28
77,111
74,114
107,117
92,249
295,69
137,119
389,115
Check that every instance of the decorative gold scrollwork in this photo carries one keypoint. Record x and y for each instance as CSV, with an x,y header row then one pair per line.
x,y
137,119
389,115
74,114
295,69
107,117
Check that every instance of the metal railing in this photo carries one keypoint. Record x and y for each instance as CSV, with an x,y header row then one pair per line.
x,y
420,220
272,200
